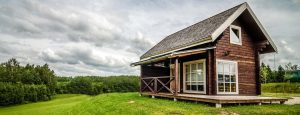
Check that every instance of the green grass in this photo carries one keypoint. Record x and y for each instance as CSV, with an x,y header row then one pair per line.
x,y
286,95
61,104
132,103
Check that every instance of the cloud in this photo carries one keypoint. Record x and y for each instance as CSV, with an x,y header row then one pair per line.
x,y
103,37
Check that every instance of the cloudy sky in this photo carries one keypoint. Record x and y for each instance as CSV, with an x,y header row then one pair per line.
x,y
95,37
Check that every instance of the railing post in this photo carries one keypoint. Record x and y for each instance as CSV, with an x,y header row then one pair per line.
x,y
176,76
155,85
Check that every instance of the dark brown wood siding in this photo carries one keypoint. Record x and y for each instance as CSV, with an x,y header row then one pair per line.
x,y
245,55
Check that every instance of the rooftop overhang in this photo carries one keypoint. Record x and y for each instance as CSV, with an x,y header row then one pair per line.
x,y
172,55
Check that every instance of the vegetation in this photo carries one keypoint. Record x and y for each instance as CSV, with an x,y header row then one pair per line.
x,y
267,75
31,83
281,88
22,84
94,85
132,103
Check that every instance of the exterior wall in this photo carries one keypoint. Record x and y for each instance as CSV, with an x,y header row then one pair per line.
x,y
245,55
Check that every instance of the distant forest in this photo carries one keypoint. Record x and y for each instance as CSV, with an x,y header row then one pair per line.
x,y
32,83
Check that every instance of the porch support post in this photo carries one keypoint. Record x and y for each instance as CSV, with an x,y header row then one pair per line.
x,y
176,76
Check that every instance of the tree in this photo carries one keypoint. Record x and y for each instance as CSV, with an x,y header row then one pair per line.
x,y
270,74
280,74
11,71
263,73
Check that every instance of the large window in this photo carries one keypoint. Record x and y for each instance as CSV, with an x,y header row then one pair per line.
x,y
194,76
235,35
227,77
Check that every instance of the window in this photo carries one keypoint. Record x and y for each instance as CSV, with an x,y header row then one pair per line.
x,y
194,76
227,77
235,35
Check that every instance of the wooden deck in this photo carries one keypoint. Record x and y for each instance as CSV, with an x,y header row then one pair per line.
x,y
219,100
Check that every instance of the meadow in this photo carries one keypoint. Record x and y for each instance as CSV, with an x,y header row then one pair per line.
x,y
132,103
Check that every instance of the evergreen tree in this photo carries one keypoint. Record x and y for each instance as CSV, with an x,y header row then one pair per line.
x,y
280,74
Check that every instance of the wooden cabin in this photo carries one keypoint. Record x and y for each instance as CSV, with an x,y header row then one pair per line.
x,y
218,56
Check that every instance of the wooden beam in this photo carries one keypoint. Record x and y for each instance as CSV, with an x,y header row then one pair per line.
x,y
147,85
176,76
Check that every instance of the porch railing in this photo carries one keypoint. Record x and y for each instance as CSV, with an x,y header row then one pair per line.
x,y
156,82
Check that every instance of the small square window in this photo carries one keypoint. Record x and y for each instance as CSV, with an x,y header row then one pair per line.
x,y
235,35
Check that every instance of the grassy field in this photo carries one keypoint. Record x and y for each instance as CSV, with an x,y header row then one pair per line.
x,y
132,103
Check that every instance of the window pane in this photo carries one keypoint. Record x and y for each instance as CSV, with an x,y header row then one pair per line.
x,y
194,77
226,68
227,87
200,66
220,77
220,67
200,77
234,35
188,77
232,78
232,68
221,87
227,79
194,86
233,87
200,88
194,68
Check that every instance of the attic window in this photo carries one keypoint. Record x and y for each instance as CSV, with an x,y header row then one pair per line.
x,y
235,35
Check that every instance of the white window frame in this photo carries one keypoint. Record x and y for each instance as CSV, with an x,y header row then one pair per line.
x,y
172,66
236,74
204,79
240,34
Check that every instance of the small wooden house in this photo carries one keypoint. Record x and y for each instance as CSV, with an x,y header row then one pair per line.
x,y
217,56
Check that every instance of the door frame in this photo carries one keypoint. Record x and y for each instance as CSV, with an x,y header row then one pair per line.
x,y
203,61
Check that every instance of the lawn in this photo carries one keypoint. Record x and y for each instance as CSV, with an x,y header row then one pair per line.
x,y
132,103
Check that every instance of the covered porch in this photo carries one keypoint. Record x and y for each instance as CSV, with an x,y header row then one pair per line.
x,y
179,72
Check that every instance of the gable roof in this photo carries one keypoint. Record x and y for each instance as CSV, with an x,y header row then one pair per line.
x,y
203,32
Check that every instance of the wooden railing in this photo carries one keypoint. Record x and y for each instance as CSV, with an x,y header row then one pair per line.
x,y
156,82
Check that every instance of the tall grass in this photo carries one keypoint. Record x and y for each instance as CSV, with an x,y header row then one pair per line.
x,y
281,88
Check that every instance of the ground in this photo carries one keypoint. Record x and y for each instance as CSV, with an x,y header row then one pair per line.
x,y
132,103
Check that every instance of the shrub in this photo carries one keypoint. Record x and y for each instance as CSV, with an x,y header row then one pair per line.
x,y
17,93
95,85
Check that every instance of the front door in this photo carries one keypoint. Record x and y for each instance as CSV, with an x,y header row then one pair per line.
x,y
194,76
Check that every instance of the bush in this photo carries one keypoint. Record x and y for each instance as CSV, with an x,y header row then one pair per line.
x,y
281,87
17,93
92,85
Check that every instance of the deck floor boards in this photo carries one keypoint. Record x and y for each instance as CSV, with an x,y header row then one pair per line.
x,y
219,99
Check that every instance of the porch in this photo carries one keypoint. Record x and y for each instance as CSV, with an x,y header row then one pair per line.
x,y
218,100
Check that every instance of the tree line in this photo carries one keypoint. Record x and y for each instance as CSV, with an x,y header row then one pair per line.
x,y
31,83
281,74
